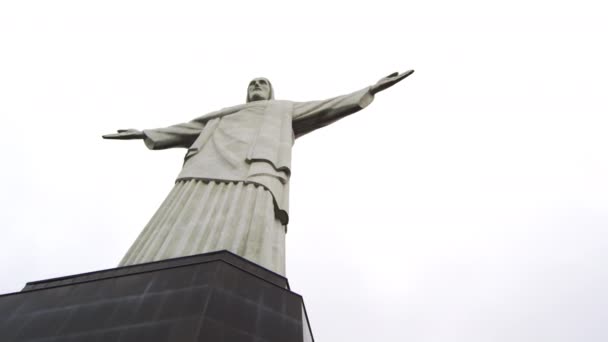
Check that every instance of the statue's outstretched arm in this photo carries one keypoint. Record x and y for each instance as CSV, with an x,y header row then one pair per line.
x,y
181,135
312,115
125,134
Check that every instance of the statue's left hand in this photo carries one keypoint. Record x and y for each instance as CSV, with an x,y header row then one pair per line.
x,y
389,81
125,134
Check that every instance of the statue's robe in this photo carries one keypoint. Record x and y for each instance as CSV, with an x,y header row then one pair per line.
x,y
233,190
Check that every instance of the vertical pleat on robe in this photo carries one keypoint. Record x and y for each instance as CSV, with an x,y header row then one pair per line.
x,y
200,216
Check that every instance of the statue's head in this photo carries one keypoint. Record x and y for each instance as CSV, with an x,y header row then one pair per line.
x,y
259,89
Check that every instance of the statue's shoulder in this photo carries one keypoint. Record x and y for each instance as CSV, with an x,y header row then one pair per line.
x,y
282,102
220,113
280,108
273,106
266,103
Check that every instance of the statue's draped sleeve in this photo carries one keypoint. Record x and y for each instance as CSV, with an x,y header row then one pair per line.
x,y
308,116
184,134
180,135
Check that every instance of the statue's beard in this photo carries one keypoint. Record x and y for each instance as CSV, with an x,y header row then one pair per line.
x,y
257,97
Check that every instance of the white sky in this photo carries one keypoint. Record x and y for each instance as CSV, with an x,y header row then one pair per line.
x,y
467,203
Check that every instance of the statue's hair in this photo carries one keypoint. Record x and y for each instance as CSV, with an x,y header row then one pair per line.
x,y
269,85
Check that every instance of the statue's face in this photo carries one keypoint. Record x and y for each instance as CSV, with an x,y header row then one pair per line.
x,y
259,89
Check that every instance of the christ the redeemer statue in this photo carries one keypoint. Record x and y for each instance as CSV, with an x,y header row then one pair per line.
x,y
233,190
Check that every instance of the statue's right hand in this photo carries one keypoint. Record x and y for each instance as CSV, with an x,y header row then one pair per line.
x,y
125,134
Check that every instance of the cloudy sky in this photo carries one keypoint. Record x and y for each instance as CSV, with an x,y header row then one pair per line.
x,y
467,203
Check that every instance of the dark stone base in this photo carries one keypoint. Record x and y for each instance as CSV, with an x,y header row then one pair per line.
x,y
208,297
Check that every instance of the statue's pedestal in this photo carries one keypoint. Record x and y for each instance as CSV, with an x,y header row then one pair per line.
x,y
208,297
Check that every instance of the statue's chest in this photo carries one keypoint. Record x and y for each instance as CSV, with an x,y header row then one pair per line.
x,y
243,125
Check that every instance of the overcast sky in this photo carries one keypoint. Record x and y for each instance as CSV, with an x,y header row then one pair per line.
x,y
467,203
